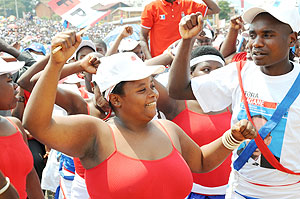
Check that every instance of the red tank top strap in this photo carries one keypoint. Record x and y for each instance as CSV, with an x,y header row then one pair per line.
x,y
185,104
228,110
88,109
83,93
13,123
165,130
113,136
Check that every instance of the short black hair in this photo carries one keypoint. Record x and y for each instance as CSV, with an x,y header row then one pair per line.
x,y
259,116
205,50
118,89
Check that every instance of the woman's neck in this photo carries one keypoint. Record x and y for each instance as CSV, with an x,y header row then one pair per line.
x,y
131,126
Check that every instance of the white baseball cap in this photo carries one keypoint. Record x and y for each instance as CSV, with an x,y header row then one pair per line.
x,y
283,12
73,79
84,43
128,45
122,67
10,67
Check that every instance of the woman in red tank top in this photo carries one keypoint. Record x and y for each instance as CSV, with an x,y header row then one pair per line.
x,y
95,106
202,127
15,157
131,156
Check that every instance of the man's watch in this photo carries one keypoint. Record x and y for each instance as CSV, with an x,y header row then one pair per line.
x,y
21,99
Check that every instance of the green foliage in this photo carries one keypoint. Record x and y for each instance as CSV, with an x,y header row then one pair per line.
x,y
45,18
56,17
224,10
8,7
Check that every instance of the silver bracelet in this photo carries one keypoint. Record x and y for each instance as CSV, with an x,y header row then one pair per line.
x,y
3,189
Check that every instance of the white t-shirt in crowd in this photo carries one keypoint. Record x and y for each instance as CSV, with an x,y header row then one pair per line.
x,y
219,89
50,175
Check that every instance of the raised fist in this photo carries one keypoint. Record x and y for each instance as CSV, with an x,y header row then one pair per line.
x,y
67,43
243,130
91,62
191,25
127,31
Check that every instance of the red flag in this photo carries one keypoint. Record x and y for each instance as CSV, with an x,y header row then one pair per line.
x,y
60,7
76,12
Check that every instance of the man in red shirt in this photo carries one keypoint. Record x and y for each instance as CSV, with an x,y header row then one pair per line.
x,y
160,20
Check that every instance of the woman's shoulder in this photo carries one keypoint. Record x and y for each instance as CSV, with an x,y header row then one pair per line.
x,y
9,125
167,125
163,122
14,120
84,119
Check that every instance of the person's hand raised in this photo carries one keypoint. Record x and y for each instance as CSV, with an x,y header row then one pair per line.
x,y
16,45
243,130
191,25
90,62
69,42
237,23
127,31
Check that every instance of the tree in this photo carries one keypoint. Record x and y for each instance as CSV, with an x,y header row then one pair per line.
x,y
224,10
8,7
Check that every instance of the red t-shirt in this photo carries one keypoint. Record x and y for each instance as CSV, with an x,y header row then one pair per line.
x,y
162,19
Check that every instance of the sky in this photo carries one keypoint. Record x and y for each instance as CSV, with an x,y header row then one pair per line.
x,y
249,3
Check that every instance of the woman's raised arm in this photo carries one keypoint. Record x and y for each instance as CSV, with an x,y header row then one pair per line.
x,y
72,135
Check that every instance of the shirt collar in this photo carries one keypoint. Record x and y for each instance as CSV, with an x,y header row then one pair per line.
x,y
165,3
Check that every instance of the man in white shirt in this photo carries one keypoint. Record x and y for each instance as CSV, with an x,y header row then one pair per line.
x,y
266,80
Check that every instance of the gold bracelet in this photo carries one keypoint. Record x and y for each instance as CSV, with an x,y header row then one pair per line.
x,y
3,189
229,141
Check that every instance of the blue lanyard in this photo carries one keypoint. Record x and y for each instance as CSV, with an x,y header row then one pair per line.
x,y
271,124
247,197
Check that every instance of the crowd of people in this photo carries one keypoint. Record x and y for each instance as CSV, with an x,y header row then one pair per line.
x,y
184,112
25,31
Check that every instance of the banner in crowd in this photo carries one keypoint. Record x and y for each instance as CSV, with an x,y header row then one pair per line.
x,y
78,13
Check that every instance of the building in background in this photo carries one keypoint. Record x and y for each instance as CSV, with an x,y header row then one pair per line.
x,y
111,7
127,15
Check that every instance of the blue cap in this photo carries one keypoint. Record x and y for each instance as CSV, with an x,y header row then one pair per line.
x,y
37,47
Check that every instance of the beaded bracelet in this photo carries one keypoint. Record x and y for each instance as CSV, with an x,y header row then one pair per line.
x,y
3,189
229,141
